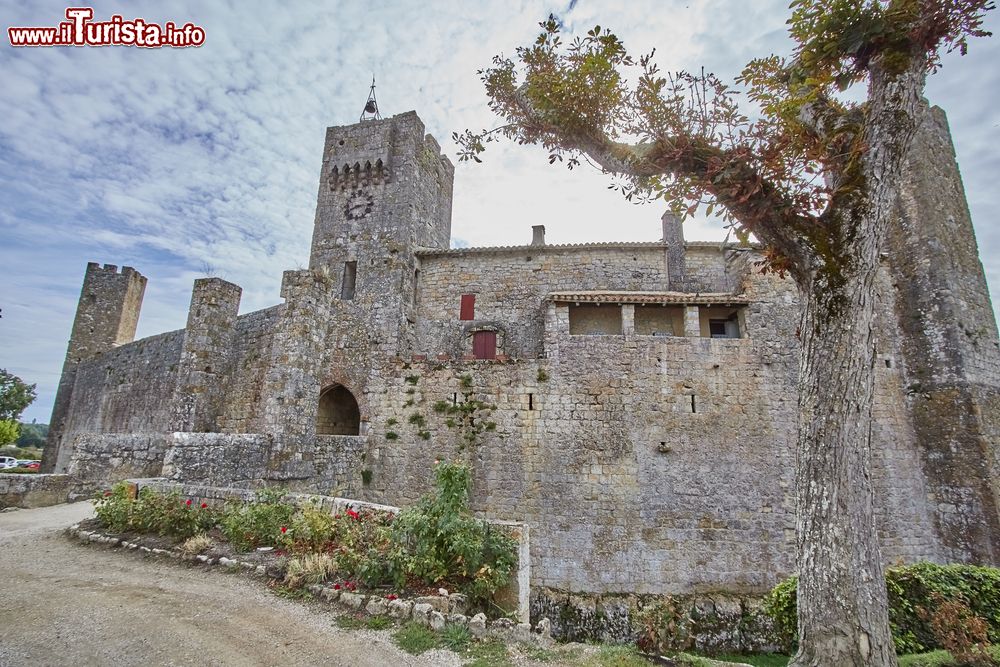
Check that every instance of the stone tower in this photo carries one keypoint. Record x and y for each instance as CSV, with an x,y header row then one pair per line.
x,y
106,317
385,190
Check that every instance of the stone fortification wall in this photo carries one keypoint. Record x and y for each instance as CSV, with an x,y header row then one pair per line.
x,y
250,355
127,389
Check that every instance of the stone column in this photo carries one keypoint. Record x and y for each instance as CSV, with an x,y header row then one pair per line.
x,y
692,322
628,319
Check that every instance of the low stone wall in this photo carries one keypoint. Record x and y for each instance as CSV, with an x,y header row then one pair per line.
x,y
516,597
225,459
711,623
100,457
28,491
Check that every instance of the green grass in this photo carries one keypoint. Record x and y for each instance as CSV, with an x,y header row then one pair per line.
x,y
379,622
350,622
456,638
618,656
757,660
415,639
490,653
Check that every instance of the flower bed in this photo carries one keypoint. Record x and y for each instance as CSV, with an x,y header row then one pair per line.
x,y
435,544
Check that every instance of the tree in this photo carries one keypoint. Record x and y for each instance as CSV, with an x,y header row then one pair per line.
x,y
814,177
15,395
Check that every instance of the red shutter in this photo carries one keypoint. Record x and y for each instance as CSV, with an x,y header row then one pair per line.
x,y
468,307
484,345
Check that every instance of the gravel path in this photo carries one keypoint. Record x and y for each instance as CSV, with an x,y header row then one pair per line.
x,y
63,603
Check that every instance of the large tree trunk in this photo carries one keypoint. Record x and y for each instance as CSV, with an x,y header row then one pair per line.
x,y
842,597
842,606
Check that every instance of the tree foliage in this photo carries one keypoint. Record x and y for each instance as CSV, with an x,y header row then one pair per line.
x,y
772,169
15,395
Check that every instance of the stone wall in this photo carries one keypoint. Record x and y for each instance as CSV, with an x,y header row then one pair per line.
x,y
128,389
28,491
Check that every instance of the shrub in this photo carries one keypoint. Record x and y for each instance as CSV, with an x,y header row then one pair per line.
x,y
959,631
441,540
665,626
911,591
257,523
166,514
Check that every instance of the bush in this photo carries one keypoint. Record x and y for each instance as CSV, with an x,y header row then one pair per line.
x,y
441,540
257,523
911,590
169,515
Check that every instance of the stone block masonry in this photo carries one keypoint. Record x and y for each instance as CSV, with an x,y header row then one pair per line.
x,y
633,403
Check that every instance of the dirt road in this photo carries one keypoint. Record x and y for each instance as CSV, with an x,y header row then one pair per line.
x,y
63,603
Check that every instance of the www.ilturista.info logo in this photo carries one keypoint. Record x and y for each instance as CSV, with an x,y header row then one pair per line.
x,y
80,30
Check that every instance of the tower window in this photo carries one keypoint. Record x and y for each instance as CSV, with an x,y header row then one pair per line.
x,y
350,280
468,311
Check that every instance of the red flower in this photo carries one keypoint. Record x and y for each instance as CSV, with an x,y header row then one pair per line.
x,y
336,587
188,503
107,493
349,585
279,553
354,515
204,505
391,596
284,529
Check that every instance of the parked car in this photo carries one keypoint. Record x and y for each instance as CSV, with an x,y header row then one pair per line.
x,y
31,464
7,462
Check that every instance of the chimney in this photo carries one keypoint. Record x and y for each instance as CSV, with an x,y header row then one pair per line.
x,y
673,237
538,235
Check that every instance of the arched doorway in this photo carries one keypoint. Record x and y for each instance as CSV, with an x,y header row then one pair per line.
x,y
338,412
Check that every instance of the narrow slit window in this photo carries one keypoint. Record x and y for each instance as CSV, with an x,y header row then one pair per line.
x,y
531,401
693,410
350,281
468,310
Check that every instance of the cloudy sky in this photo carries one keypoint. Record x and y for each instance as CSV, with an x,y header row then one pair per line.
x,y
182,161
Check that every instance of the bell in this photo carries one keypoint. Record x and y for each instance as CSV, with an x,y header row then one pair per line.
x,y
370,107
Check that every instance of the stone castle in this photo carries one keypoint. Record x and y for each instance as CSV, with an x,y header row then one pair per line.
x,y
634,403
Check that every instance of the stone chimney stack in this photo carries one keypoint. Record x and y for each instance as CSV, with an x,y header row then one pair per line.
x,y
673,237
538,235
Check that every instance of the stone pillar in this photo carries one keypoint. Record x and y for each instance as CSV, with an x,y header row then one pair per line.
x,y
628,319
205,354
106,316
692,322
673,236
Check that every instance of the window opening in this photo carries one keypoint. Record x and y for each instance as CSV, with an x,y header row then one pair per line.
x,y
350,281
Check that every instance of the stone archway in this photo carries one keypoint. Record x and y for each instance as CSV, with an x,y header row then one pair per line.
x,y
338,412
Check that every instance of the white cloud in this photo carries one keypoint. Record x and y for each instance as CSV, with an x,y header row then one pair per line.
x,y
170,160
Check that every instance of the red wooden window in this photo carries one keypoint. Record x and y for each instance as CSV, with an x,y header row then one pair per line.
x,y
468,307
484,345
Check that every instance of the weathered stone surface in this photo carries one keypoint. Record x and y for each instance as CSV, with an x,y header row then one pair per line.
x,y
477,625
438,602
330,594
436,620
461,620
400,609
377,606
352,600
422,612
29,491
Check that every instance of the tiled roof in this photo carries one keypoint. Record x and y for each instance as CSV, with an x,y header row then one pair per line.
x,y
678,298
613,245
